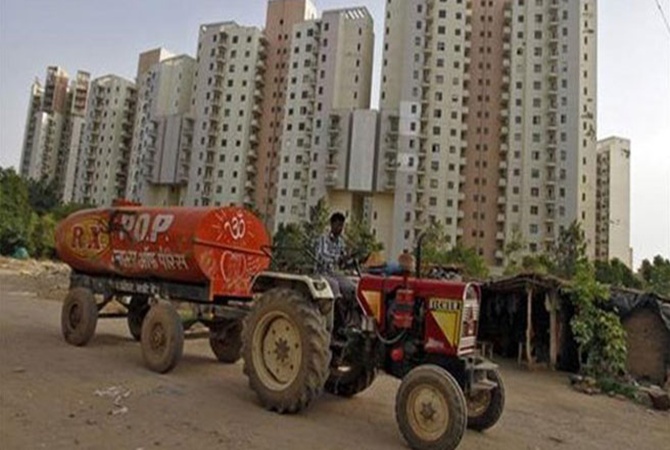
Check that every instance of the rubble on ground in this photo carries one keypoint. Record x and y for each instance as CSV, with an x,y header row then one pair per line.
x,y
51,278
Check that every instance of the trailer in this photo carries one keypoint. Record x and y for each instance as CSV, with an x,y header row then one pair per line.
x,y
153,262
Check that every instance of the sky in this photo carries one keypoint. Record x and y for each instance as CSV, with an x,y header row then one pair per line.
x,y
107,37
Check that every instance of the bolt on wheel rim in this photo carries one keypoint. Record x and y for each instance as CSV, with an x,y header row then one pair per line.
x,y
427,412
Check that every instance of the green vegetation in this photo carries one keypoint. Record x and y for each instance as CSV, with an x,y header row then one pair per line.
x,y
437,251
293,244
29,212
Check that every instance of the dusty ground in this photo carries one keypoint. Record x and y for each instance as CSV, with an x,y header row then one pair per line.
x,y
56,396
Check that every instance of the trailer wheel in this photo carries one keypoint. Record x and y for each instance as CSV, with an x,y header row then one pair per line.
x,y
486,407
286,350
349,381
225,339
162,338
137,311
431,409
79,316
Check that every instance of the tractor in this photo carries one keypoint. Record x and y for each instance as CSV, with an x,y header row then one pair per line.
x,y
298,341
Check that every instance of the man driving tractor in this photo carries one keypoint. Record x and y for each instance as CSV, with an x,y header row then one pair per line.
x,y
331,252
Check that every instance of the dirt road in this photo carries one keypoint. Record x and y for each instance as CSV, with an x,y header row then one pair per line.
x,y
48,399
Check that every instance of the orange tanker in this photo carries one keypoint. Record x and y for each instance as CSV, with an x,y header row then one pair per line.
x,y
222,248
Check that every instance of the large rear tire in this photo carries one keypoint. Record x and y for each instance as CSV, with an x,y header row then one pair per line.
x,y
486,407
79,316
430,409
225,339
162,338
286,350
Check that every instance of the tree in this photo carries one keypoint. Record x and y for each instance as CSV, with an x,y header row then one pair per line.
x,y
599,333
360,239
291,251
616,273
569,251
437,251
43,195
513,250
15,212
656,275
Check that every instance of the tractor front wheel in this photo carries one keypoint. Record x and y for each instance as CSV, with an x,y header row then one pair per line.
x,y
162,338
486,406
286,350
431,409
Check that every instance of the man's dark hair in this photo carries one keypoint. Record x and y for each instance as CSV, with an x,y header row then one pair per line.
x,y
337,217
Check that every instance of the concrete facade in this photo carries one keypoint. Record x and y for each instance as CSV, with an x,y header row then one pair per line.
x,y
330,69
163,133
488,121
104,159
226,110
281,17
53,130
613,201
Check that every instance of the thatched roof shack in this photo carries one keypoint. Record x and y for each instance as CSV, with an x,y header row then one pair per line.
x,y
646,318
527,316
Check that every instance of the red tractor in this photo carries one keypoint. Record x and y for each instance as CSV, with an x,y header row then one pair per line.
x,y
421,331
295,338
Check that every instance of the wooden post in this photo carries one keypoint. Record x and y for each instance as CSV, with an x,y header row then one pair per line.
x,y
529,326
553,329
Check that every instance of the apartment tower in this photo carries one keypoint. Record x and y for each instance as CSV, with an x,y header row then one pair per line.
x,y
281,16
330,70
105,155
53,131
488,113
613,201
163,135
226,110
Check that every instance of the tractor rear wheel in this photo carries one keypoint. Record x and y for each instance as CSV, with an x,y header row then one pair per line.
x,y
486,406
225,339
79,316
162,338
431,409
137,311
286,350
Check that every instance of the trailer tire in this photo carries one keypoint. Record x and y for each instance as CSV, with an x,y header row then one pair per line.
x,y
225,340
286,350
430,409
162,338
137,311
485,408
79,316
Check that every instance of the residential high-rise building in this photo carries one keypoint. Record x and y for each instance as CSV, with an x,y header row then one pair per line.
x,y
163,133
551,142
488,121
613,201
226,110
330,69
104,158
53,129
281,16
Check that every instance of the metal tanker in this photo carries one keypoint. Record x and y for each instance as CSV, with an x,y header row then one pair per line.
x,y
222,248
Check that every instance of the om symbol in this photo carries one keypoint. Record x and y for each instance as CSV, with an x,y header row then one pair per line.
x,y
236,227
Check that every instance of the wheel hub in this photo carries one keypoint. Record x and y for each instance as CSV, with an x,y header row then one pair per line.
x,y
478,402
281,350
157,337
427,412
75,316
